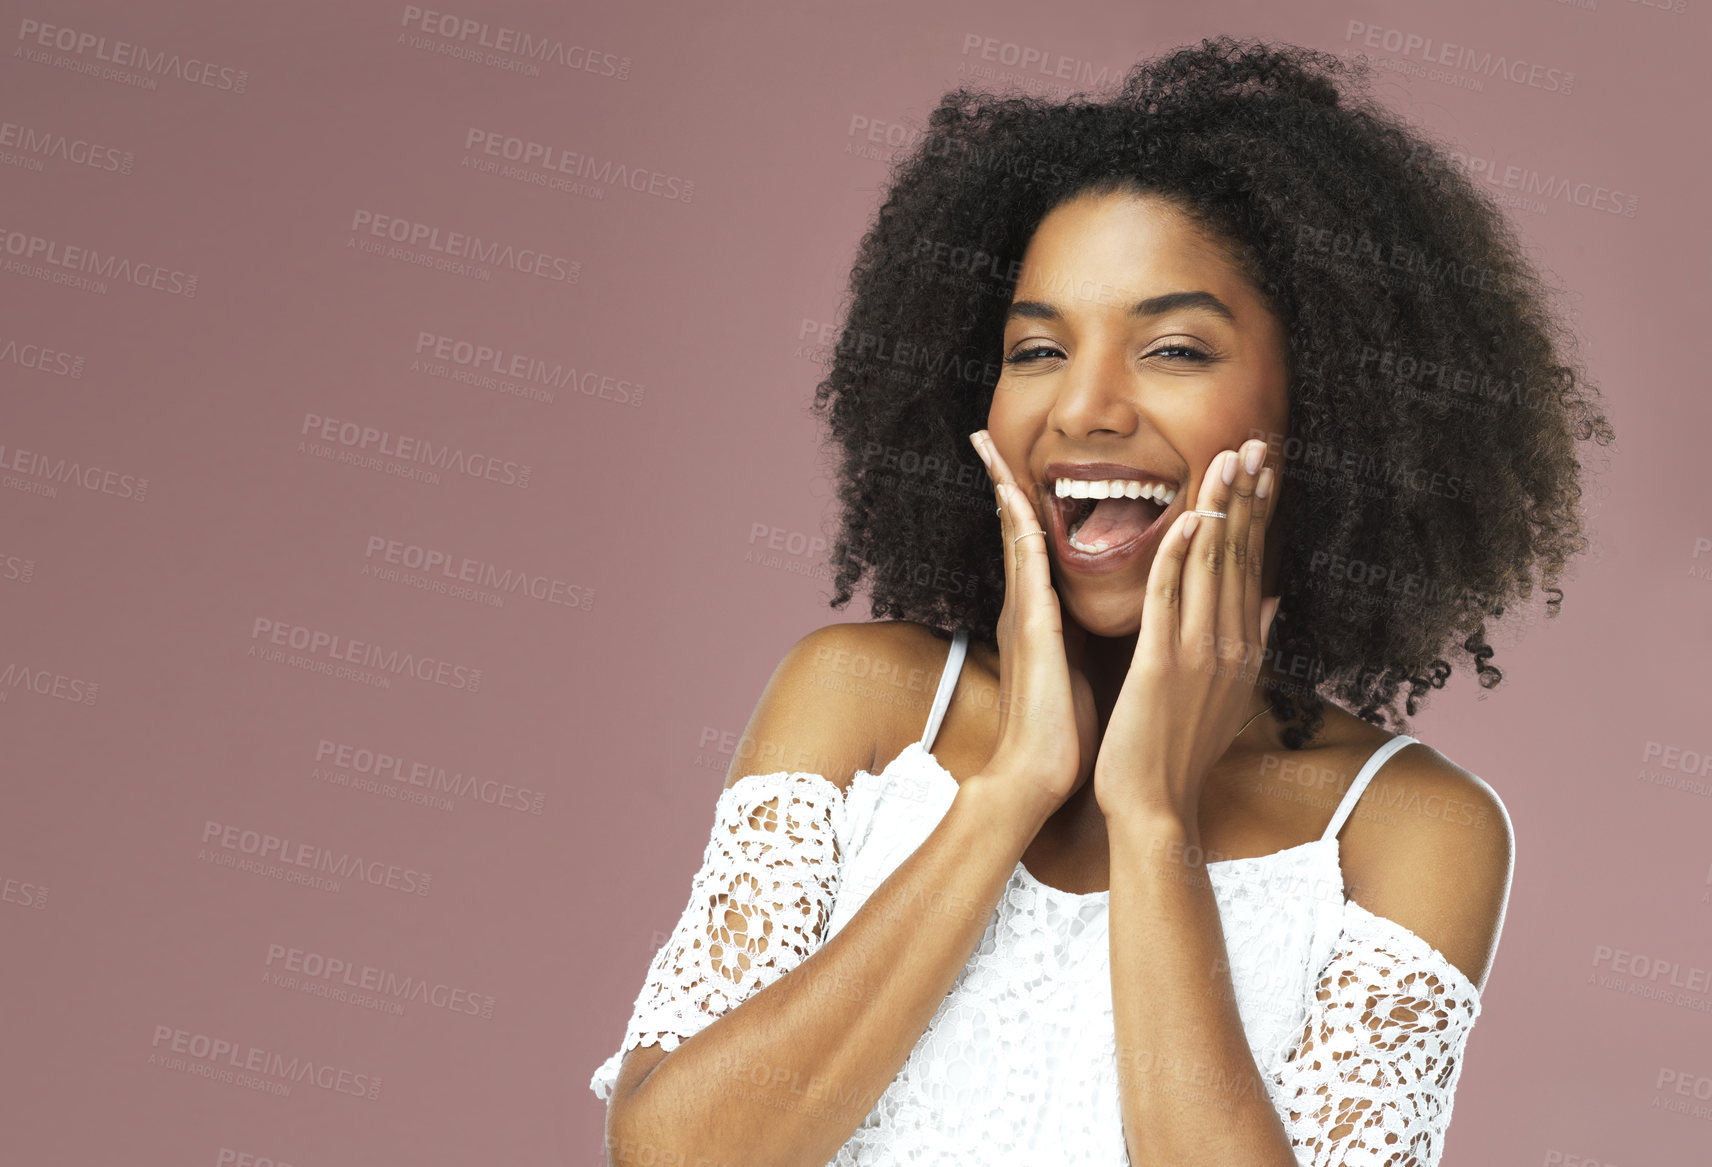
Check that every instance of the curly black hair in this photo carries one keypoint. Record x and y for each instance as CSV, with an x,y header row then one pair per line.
x,y
1434,404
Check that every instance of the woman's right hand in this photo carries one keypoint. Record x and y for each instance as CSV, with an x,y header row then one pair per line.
x,y
1048,727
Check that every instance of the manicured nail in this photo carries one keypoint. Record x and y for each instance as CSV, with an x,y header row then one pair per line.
x,y
1264,486
1228,472
1251,461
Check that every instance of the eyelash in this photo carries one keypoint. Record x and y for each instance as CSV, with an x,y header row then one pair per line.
x,y
1195,356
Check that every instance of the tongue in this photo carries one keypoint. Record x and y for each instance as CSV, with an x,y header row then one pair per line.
x,y
1117,521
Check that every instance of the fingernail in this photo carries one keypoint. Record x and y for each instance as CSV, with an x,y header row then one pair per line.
x,y
1228,472
1251,461
1264,486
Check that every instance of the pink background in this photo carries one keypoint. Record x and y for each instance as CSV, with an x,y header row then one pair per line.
x,y
146,708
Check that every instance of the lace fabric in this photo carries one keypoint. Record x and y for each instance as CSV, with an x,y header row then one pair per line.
x,y
1357,1024
1375,1072
758,906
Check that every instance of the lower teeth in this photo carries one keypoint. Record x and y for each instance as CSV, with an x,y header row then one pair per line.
x,y
1093,548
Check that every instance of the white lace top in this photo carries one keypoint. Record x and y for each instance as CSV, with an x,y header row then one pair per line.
x,y
1357,1024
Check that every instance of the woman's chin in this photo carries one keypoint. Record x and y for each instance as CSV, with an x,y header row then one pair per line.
x,y
1104,613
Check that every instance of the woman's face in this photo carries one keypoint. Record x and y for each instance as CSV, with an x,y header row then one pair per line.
x,y
1157,392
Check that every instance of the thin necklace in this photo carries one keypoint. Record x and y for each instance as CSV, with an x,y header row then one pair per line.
x,y
1252,720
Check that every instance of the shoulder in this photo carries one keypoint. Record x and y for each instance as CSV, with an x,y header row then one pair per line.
x,y
866,662
1430,846
872,647
833,699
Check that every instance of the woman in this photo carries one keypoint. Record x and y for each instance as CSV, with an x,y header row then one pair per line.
x,y
1261,352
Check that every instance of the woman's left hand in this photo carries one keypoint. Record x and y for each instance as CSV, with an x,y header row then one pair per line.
x,y
1197,660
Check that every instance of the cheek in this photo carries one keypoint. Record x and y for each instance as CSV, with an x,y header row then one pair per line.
x,y
1007,409
1010,428
1203,437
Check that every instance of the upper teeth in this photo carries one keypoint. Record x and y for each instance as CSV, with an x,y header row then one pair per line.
x,y
1115,488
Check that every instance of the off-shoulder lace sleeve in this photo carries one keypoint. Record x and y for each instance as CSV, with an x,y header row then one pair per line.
x,y
1372,1080
758,906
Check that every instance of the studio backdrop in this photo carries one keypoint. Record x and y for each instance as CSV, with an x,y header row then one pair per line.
x,y
407,487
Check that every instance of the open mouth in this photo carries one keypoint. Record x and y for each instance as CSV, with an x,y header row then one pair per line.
x,y
1095,536
1095,526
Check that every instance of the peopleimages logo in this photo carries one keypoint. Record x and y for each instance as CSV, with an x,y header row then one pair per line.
x,y
308,857
358,440
409,234
54,144
25,895
20,676
1682,769
348,981
52,260
480,34
237,1063
473,359
1483,63
40,357
33,34
332,647
1032,61
396,768
559,160
1528,183
42,474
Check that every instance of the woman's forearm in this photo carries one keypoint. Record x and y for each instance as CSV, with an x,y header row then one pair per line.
x,y
1190,1089
785,1077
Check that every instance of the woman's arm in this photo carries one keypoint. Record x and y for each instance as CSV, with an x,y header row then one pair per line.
x,y
786,1077
789,1069
1189,1087
1375,1069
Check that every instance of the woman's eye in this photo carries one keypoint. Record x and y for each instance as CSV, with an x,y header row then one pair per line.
x,y
1188,354
1024,356
1180,352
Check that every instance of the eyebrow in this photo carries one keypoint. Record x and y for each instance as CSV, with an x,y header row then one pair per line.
x,y
1152,306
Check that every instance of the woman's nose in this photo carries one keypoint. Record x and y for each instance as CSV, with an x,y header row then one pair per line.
x,y
1095,396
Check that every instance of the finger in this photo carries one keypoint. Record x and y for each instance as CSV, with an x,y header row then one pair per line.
x,y
1265,492
1028,541
1028,568
1027,538
1203,570
994,464
1239,591
1002,473
1162,609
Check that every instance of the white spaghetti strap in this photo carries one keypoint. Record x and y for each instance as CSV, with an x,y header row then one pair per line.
x,y
1368,770
947,682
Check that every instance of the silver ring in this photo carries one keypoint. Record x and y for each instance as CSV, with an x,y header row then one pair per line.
x,y
1210,514
998,510
1025,535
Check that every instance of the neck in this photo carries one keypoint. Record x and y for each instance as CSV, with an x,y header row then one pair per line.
x,y
1105,661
